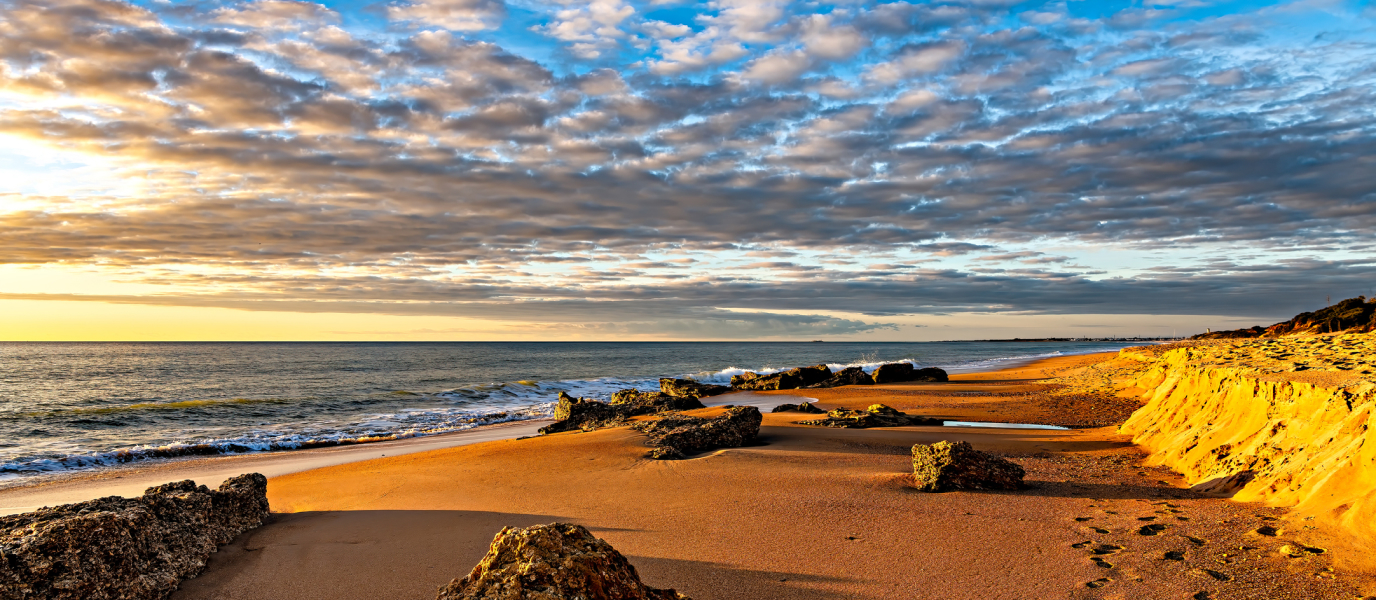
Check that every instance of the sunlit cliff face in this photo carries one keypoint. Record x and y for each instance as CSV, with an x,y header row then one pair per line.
x,y
735,169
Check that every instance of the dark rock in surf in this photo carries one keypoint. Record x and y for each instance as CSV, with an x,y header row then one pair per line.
x,y
687,388
903,372
783,380
676,436
946,466
125,548
846,376
877,415
552,562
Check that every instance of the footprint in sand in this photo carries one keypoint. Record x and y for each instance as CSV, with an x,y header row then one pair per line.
x,y
1107,549
1152,529
1083,519
1101,562
1219,575
1098,583
1194,540
1146,518
1202,596
1099,530
1174,555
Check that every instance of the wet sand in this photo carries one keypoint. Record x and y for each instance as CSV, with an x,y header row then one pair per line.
x,y
807,513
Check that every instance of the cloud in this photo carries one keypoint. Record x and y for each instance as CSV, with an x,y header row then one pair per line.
x,y
286,157
455,15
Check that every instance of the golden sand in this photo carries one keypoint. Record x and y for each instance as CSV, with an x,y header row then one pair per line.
x,y
808,513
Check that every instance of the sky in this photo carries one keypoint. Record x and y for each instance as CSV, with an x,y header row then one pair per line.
x,y
727,170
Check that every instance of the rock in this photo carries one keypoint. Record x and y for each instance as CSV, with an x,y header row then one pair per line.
x,y
783,380
893,373
559,561
802,407
586,414
946,466
901,372
930,374
687,388
877,415
738,380
846,376
125,548
676,436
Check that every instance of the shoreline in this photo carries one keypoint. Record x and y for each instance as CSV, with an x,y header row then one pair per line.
x,y
208,466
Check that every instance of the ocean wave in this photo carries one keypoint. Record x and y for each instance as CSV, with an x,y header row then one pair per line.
x,y
377,428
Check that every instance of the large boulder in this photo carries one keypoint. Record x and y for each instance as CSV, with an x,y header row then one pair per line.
x,y
946,466
930,374
125,548
893,373
584,414
877,415
676,436
559,561
687,388
783,380
846,376
903,372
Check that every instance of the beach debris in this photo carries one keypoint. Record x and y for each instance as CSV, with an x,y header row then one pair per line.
x,y
903,372
877,415
125,548
802,407
587,414
946,466
687,388
783,380
676,436
558,561
846,376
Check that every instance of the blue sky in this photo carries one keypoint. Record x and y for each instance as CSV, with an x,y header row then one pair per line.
x,y
669,170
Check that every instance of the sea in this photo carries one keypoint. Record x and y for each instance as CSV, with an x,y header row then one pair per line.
x,y
69,407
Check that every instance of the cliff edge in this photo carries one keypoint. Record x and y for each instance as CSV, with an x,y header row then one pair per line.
x,y
1285,422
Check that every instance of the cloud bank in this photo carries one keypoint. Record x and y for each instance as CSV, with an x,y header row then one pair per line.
x,y
738,166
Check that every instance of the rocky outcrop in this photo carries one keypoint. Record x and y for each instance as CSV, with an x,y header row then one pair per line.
x,y
904,372
783,380
1353,315
676,436
877,415
125,548
687,388
846,376
559,561
1287,422
802,407
946,466
586,414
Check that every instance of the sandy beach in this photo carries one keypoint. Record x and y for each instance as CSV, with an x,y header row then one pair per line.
x,y
808,512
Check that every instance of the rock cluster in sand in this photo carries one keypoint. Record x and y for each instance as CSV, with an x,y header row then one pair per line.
x,y
559,561
125,548
946,466
877,415
587,414
676,436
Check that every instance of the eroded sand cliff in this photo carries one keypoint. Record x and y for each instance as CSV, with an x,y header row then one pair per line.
x,y
1287,422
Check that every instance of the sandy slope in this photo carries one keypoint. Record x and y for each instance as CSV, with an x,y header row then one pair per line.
x,y
809,513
